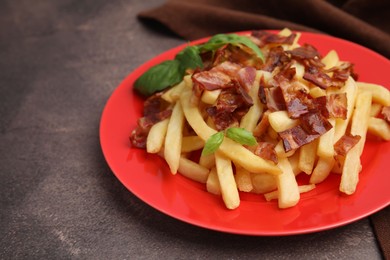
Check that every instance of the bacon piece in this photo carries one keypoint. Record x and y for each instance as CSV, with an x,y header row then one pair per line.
x,y
274,99
318,78
276,57
154,104
139,135
230,107
386,113
312,126
155,110
265,38
305,52
211,79
296,98
295,137
346,143
320,104
343,71
222,119
315,123
246,77
218,77
266,151
337,105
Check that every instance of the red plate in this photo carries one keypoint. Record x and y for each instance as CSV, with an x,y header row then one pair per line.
x,y
148,177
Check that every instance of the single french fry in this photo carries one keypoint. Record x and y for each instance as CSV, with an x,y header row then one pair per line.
x,y
280,152
188,81
350,88
212,183
273,195
173,139
207,161
243,179
330,59
375,109
173,94
233,150
308,156
322,170
210,96
325,143
299,71
191,143
288,192
263,182
192,170
226,180
280,121
294,162
156,136
250,119
264,75
380,94
359,126
379,127
317,92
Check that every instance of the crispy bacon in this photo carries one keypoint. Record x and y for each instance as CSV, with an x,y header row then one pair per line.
x,y
274,99
315,123
312,126
155,110
318,78
295,137
343,71
265,38
246,77
213,79
337,105
296,98
346,143
229,109
236,54
305,52
266,151
276,57
386,113
154,104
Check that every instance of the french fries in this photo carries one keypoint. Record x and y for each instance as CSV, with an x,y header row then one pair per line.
x,y
233,168
352,166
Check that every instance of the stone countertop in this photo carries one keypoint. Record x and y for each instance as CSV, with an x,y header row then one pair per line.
x,y
59,63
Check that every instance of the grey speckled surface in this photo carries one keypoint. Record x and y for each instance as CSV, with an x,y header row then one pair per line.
x,y
59,63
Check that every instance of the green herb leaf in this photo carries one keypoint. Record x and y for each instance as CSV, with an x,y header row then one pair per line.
x,y
212,143
219,40
171,72
159,77
189,58
241,135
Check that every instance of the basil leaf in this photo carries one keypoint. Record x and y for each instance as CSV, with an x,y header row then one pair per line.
x,y
189,58
212,143
241,135
159,77
219,40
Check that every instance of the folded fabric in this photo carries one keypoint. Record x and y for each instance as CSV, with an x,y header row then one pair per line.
x,y
362,21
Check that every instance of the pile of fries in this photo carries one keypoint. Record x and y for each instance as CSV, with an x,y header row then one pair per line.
x,y
234,167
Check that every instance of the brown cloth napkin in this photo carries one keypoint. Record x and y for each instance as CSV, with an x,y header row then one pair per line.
x,y
366,22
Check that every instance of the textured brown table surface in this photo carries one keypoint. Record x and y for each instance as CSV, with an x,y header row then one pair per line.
x,y
59,63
